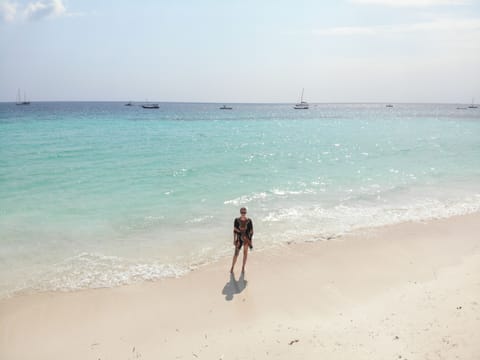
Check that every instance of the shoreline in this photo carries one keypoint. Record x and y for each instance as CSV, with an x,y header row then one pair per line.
x,y
370,294
186,268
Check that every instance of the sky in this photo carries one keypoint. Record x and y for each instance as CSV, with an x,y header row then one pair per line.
x,y
241,50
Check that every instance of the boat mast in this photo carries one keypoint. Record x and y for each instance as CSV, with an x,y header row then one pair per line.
x,y
301,99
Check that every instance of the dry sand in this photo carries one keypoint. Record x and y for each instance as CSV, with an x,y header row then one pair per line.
x,y
409,291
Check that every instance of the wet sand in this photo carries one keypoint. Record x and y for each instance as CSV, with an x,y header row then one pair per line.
x,y
408,291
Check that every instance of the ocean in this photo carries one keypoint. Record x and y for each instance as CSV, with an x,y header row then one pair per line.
x,y
98,194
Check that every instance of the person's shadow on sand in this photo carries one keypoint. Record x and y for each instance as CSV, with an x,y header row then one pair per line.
x,y
234,287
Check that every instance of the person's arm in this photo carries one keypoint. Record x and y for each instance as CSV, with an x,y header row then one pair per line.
x,y
235,231
236,226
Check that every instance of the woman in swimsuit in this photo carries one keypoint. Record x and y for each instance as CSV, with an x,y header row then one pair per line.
x,y
242,236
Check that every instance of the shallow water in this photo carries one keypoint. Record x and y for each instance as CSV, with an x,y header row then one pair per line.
x,y
101,194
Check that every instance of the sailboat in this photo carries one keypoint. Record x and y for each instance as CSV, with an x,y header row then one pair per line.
x,y
150,106
19,99
302,105
473,106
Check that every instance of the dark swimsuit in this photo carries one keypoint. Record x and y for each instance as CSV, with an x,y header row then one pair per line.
x,y
243,228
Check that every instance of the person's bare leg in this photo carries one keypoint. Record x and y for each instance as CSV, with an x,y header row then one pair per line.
x,y
245,255
235,256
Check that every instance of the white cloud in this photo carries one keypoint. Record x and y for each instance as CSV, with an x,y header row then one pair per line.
x,y
442,25
44,9
448,25
410,3
8,11
33,10
346,31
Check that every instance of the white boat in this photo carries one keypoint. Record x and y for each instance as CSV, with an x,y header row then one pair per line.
x,y
302,105
473,106
19,99
150,106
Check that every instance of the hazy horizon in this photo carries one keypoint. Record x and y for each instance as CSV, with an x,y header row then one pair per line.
x,y
351,51
245,103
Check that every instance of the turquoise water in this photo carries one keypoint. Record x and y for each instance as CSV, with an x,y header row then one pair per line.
x,y
101,194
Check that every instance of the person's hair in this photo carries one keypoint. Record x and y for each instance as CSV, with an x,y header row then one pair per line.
x,y
243,209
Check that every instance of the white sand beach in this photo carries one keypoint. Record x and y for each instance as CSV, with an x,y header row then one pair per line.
x,y
408,291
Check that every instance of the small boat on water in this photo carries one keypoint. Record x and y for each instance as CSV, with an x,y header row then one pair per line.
x,y
224,107
19,99
473,106
302,105
389,105
150,106
129,104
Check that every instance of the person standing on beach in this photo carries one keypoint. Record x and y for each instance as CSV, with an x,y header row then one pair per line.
x,y
242,236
